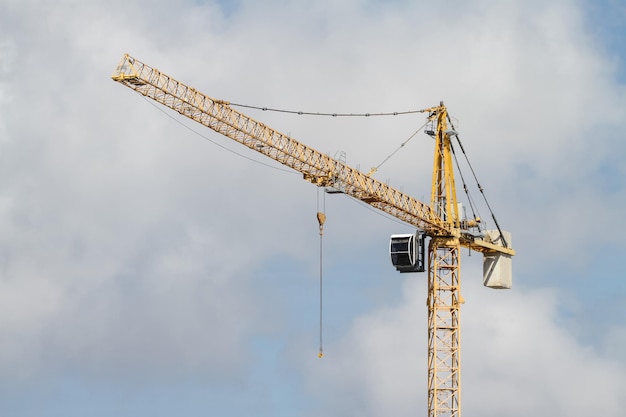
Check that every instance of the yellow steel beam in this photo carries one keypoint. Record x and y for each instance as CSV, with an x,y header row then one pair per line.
x,y
316,167
440,220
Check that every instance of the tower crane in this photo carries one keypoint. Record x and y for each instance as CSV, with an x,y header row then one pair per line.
x,y
441,220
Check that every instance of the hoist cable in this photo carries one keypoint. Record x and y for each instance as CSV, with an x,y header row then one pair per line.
x,y
480,188
321,351
309,113
321,218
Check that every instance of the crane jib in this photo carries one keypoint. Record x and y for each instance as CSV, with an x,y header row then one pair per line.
x,y
315,166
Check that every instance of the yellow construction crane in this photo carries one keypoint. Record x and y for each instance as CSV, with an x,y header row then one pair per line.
x,y
441,220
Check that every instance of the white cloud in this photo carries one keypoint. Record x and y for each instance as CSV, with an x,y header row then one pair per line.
x,y
131,246
517,359
526,361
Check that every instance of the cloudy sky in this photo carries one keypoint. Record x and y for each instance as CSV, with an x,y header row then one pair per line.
x,y
150,267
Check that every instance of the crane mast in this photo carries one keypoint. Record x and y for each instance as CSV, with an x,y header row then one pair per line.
x,y
444,298
440,220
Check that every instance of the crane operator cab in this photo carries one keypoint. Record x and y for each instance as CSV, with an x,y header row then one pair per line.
x,y
407,252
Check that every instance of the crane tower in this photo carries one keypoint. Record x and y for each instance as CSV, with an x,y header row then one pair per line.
x,y
441,220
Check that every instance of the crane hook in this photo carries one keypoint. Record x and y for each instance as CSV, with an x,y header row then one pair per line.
x,y
321,218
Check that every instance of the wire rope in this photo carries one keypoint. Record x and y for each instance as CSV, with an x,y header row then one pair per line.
x,y
310,113
399,147
480,188
214,142
365,205
321,219
465,189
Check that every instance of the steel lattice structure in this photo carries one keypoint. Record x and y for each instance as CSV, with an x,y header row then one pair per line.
x,y
440,219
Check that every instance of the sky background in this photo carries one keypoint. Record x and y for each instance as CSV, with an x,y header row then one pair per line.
x,y
151,267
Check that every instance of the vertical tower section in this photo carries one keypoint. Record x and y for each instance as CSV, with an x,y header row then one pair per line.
x,y
444,299
444,346
443,194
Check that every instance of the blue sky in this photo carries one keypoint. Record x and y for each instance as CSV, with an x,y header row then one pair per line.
x,y
146,270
